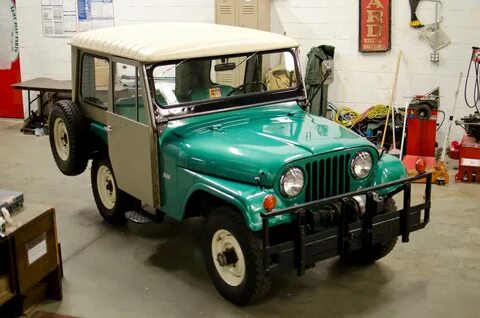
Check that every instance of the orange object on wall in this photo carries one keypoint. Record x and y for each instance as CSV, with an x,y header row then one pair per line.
x,y
11,103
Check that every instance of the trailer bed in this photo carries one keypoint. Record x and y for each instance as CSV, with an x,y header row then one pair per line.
x,y
49,91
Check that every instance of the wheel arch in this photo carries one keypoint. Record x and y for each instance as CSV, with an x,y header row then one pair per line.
x,y
246,198
202,198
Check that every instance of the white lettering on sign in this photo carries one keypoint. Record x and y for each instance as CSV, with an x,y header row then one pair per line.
x,y
36,248
375,16
470,162
374,19
376,3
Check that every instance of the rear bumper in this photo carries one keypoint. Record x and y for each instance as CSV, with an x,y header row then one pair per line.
x,y
304,250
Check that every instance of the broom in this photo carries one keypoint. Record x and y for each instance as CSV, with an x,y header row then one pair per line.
x,y
392,98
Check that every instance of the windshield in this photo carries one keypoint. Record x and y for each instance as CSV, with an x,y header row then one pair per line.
x,y
224,78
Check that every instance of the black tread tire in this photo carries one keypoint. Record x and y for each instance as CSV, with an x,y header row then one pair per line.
x,y
378,250
123,203
77,160
257,282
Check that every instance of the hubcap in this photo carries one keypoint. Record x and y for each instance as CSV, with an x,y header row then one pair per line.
x,y
106,187
61,139
228,257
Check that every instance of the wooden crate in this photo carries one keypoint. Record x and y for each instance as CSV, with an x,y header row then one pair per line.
x,y
30,258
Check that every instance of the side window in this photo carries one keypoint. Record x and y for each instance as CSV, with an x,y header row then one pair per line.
x,y
94,86
128,94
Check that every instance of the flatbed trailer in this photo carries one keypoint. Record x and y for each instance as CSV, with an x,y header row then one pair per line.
x,y
48,92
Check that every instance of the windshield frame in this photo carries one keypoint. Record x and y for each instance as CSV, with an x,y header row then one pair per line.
x,y
228,102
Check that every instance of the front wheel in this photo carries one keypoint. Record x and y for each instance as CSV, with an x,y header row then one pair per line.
x,y
234,257
112,203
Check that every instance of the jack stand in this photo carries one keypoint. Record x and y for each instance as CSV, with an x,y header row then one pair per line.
x,y
440,174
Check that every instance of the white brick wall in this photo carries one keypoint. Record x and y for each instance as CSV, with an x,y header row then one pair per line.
x,y
360,79
365,79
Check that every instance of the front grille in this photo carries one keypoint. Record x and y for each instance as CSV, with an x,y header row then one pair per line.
x,y
327,176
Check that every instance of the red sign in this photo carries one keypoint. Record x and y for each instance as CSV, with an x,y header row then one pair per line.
x,y
375,25
11,104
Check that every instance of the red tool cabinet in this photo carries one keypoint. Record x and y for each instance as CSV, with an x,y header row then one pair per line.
x,y
469,162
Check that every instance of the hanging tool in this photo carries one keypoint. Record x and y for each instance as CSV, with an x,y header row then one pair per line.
x,y
414,22
440,175
392,98
475,61
405,116
434,35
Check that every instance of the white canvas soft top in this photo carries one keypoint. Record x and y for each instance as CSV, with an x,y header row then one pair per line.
x,y
155,42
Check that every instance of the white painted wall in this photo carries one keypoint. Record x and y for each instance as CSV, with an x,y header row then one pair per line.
x,y
360,79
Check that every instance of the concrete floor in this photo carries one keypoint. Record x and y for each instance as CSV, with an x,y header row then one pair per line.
x,y
157,270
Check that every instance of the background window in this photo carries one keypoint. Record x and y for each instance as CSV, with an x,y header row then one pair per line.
x,y
94,87
128,94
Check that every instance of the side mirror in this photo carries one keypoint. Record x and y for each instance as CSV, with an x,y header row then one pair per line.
x,y
223,67
327,68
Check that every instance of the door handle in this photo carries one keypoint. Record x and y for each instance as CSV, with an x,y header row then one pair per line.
x,y
108,128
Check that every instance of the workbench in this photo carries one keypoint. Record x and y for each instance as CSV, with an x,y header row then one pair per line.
x,y
49,91
30,261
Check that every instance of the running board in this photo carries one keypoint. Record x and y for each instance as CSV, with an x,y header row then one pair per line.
x,y
141,217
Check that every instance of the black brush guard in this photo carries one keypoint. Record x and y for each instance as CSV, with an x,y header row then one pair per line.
x,y
306,249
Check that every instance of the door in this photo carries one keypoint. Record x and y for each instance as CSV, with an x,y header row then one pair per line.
x,y
248,13
225,12
131,137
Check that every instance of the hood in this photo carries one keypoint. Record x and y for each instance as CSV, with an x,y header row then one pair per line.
x,y
255,142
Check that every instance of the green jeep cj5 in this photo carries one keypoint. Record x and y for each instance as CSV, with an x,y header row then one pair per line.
x,y
191,119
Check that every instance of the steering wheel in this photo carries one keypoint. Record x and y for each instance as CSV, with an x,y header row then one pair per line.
x,y
244,86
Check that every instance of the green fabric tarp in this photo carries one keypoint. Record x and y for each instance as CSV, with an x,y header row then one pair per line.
x,y
314,77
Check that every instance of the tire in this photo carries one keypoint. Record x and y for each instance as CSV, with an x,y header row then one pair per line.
x,y
244,280
112,203
377,251
67,134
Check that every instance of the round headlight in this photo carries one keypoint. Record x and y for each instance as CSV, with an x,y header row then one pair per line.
x,y
291,182
361,165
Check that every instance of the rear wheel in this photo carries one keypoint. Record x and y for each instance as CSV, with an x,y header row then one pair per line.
x,y
234,257
377,251
67,134
112,203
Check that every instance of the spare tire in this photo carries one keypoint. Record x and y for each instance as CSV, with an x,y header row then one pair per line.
x,y
67,134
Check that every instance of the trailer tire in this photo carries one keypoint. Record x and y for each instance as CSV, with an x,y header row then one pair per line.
x,y
377,251
67,135
242,279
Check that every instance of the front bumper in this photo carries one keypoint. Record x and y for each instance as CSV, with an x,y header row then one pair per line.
x,y
304,250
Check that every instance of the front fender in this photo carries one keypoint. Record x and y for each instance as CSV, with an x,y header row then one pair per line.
x,y
389,168
247,198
